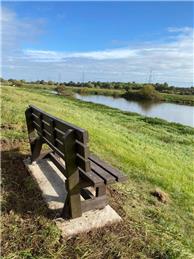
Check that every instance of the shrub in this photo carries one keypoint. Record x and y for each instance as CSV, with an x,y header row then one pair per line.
x,y
60,88
148,92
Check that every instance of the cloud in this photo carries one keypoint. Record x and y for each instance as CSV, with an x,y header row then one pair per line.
x,y
177,49
41,55
15,31
171,61
180,29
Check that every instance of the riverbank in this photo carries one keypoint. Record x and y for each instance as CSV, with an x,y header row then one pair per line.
x,y
172,112
164,97
152,152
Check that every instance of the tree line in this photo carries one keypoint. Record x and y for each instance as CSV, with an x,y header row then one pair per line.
x,y
127,86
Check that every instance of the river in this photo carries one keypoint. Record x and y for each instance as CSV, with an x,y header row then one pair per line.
x,y
172,112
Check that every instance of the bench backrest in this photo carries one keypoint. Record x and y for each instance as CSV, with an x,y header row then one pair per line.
x,y
53,132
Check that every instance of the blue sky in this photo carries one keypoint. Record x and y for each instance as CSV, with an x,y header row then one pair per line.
x,y
108,41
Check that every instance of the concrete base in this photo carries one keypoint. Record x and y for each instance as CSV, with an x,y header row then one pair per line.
x,y
88,221
52,184
50,181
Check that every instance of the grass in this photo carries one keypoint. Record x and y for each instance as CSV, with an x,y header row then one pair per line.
x,y
152,152
177,98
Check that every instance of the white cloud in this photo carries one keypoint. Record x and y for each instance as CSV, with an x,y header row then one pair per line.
x,y
14,31
41,55
180,29
171,61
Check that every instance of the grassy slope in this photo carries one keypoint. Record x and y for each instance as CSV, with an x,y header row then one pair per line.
x,y
153,153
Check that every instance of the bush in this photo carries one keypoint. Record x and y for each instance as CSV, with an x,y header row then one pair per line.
x,y
148,92
60,89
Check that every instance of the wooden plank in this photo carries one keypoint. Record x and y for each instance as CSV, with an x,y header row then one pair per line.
x,y
58,147
82,150
47,140
47,126
91,178
36,119
36,125
34,115
52,127
41,124
80,133
83,163
108,178
58,143
57,163
92,204
113,171
86,194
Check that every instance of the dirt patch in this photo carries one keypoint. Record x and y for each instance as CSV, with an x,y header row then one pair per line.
x,y
160,195
11,145
7,126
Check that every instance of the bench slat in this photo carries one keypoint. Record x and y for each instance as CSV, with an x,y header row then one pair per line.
x,y
81,134
108,178
92,204
86,194
83,163
113,171
57,163
91,177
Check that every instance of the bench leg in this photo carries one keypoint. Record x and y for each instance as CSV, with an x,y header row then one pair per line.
x,y
100,191
72,206
35,143
36,147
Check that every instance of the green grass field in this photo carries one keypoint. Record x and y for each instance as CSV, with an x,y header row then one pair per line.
x,y
151,152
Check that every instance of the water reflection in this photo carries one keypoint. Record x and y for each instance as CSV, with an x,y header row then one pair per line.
x,y
183,114
147,105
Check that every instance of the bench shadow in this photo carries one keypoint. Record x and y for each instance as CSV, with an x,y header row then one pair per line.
x,y
20,192
55,182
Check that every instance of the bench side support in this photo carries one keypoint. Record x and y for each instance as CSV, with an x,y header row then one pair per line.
x,y
101,190
72,206
35,143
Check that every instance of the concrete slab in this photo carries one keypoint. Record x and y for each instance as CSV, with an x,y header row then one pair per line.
x,y
50,181
89,220
52,184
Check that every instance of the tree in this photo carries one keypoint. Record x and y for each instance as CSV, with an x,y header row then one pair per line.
x,y
42,82
50,82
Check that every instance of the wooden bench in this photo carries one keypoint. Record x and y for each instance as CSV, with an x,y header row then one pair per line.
x,y
70,154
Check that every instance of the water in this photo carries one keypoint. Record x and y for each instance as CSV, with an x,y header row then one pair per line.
x,y
179,113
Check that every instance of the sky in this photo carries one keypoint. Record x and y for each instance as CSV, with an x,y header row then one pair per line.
x,y
98,41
